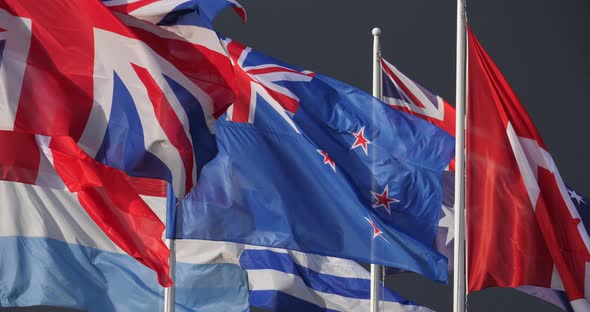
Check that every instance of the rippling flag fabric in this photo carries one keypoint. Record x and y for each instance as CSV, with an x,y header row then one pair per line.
x,y
175,12
401,92
285,280
405,94
52,253
515,191
145,108
308,163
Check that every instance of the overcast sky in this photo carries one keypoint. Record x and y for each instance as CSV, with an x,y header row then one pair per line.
x,y
541,46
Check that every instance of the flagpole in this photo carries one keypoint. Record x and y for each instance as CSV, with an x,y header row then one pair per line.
x,y
459,279
170,292
375,268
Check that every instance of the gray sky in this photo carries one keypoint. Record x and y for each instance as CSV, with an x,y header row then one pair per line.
x,y
541,47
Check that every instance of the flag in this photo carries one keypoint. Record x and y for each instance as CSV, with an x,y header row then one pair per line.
x,y
87,104
42,224
398,91
52,253
175,12
103,107
284,280
445,239
516,192
403,93
310,164
103,192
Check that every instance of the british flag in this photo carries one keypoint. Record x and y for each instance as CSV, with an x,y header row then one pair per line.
x,y
90,96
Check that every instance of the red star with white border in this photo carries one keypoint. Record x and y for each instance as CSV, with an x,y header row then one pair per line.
x,y
383,200
376,230
327,160
361,140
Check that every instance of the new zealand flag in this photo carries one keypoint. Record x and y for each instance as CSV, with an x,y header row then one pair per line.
x,y
311,164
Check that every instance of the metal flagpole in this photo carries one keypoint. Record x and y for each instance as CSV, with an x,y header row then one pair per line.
x,y
459,290
170,292
375,268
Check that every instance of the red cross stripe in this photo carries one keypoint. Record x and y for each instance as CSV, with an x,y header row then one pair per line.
x,y
260,80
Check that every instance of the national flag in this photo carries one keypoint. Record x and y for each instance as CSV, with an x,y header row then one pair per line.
x,y
282,280
403,93
103,192
168,12
52,253
43,224
444,242
151,80
516,192
285,280
366,199
398,97
145,108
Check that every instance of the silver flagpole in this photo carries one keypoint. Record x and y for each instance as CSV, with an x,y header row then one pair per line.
x,y
170,292
375,268
459,290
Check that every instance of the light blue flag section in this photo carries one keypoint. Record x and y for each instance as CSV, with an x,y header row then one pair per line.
x,y
308,163
51,253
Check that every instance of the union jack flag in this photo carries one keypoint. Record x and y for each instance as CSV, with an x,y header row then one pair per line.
x,y
92,97
262,80
404,94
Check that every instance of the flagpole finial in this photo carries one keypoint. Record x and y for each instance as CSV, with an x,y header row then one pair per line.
x,y
376,31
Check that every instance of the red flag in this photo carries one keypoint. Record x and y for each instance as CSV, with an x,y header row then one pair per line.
x,y
523,228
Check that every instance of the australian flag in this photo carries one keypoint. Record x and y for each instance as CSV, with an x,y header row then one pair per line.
x,y
311,164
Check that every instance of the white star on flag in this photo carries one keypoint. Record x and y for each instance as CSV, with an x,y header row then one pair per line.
x,y
576,196
448,221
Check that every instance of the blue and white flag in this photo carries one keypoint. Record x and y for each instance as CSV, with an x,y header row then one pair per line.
x,y
308,163
282,280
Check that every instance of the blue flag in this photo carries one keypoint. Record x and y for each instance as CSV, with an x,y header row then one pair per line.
x,y
311,164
